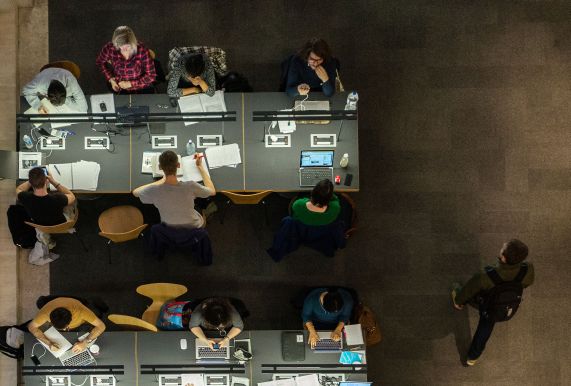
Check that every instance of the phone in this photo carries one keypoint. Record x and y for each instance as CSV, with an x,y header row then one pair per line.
x,y
45,169
35,360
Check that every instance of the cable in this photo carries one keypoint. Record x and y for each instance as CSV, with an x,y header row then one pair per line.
x,y
34,346
82,383
301,107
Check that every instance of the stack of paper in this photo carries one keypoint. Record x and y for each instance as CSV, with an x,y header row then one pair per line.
x,y
225,155
302,380
26,161
82,175
200,103
190,171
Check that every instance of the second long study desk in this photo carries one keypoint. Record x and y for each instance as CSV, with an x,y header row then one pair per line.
x,y
261,168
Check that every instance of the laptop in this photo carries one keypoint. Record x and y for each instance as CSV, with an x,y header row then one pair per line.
x,y
312,105
204,352
327,345
132,115
314,166
66,356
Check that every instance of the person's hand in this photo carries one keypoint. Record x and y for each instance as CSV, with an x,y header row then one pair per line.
x,y
321,73
196,80
79,346
459,307
336,335
53,346
114,85
42,110
198,157
312,339
303,89
211,343
223,342
125,84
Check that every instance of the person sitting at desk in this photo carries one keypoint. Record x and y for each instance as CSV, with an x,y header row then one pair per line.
x,y
216,314
174,199
59,86
192,74
326,309
312,69
321,208
127,64
43,207
66,314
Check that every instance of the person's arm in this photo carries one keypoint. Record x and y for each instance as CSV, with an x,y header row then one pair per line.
x,y
293,78
62,189
32,89
98,329
102,59
234,332
206,180
23,187
137,191
148,72
469,290
327,78
336,334
75,95
208,84
34,329
172,87
312,337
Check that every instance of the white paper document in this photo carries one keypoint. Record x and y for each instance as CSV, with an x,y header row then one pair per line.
x,y
26,161
225,155
56,337
307,380
96,101
54,110
201,103
190,171
353,334
279,382
192,379
147,162
81,175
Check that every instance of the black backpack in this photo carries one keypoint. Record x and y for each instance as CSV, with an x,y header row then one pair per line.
x,y
5,348
23,235
502,301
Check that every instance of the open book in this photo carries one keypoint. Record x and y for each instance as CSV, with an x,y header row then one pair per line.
x,y
63,109
81,175
201,103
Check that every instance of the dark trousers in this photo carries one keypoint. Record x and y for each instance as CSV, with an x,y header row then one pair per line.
x,y
483,333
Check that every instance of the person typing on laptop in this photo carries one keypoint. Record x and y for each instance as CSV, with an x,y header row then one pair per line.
x,y
66,314
321,208
328,309
216,314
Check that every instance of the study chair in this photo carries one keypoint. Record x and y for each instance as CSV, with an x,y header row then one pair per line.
x,y
66,65
131,323
119,224
161,78
159,293
245,199
66,227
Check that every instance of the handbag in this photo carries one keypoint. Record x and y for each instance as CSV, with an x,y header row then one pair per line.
x,y
338,85
371,330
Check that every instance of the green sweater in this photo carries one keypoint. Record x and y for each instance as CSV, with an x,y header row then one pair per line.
x,y
300,212
482,282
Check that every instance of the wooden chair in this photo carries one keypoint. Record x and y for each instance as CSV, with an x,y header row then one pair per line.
x,y
119,224
130,323
66,65
159,293
245,199
353,217
66,227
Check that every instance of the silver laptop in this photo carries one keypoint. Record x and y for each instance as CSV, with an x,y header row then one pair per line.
x,y
66,356
204,352
327,345
314,166
311,105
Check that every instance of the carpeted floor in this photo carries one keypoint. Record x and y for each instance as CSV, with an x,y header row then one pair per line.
x,y
463,117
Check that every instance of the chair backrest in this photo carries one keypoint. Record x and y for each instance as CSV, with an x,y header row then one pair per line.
x,y
121,223
246,198
216,55
59,228
347,203
130,323
66,65
284,67
160,293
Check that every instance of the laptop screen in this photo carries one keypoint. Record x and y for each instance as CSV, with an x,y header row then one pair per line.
x,y
316,158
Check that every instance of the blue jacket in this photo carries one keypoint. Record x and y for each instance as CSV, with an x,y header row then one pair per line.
x,y
299,72
164,237
324,238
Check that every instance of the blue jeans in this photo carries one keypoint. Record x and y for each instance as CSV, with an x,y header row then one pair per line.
x,y
483,333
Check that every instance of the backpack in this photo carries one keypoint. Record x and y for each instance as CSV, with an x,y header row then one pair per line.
x,y
234,82
174,316
501,302
366,318
23,235
12,340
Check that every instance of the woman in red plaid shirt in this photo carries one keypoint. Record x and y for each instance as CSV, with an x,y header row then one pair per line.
x,y
127,64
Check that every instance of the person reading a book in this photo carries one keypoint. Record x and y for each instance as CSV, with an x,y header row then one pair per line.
x,y
192,74
175,199
59,87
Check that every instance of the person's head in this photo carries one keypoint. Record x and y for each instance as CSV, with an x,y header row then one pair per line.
x,y
194,65
124,40
216,313
514,251
56,93
316,51
168,162
37,178
332,301
60,318
322,193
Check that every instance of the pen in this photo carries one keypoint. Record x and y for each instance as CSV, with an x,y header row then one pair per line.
x,y
57,170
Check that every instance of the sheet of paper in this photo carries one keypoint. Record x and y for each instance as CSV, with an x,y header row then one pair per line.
x,y
156,170
190,104
55,336
240,381
225,155
96,101
353,334
280,382
63,109
193,379
213,103
190,171
62,174
147,162
200,103
85,175
307,380
26,161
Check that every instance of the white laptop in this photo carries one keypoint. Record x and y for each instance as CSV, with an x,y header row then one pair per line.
x,y
204,352
66,356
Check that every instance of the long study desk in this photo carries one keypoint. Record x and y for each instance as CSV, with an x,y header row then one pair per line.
x,y
144,356
262,168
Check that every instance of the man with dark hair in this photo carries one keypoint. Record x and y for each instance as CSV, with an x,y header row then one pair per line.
x,y
59,87
321,208
312,69
174,199
192,74
216,314
326,309
510,268
66,314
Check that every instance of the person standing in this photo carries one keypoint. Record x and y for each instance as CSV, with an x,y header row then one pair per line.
x,y
495,291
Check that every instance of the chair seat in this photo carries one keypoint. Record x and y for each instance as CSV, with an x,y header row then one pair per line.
x,y
246,198
159,293
121,223
66,65
59,228
131,323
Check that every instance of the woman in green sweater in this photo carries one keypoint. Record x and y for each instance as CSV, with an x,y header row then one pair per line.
x,y
321,208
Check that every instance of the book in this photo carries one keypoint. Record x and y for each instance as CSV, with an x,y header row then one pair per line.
x,y
200,103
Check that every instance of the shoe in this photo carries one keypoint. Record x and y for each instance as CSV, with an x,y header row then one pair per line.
x,y
455,287
46,239
471,362
210,210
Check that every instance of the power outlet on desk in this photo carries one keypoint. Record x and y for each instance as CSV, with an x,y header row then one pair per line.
x,y
96,143
58,380
278,140
323,140
103,380
216,380
203,141
164,141
52,143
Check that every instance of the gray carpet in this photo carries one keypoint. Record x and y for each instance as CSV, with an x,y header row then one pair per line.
x,y
464,111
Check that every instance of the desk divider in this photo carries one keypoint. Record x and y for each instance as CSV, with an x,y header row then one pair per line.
x,y
307,368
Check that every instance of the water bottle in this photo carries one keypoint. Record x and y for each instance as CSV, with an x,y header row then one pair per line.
x,y
352,100
344,160
190,148
28,141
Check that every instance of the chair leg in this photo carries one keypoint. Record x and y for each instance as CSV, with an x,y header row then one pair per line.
x,y
223,213
266,212
81,241
109,250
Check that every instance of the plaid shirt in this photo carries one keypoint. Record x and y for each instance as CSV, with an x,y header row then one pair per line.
x,y
217,57
139,69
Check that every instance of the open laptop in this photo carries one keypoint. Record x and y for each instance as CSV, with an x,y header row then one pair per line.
x,y
204,352
300,105
327,345
314,166
66,356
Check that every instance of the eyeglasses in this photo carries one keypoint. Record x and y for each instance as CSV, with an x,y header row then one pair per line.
x,y
314,59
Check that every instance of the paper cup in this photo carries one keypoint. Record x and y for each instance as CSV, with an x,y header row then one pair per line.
x,y
94,349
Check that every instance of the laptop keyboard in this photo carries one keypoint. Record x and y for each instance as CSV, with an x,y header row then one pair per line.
x,y
207,353
310,176
328,345
81,359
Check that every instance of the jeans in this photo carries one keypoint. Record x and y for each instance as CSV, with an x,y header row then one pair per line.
x,y
483,333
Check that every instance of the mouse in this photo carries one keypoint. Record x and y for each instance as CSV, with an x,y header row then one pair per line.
x,y
103,106
183,344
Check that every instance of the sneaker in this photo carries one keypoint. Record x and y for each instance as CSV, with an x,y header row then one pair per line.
x,y
210,209
46,239
471,362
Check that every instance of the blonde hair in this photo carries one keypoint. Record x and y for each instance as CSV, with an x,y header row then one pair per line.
x,y
124,35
